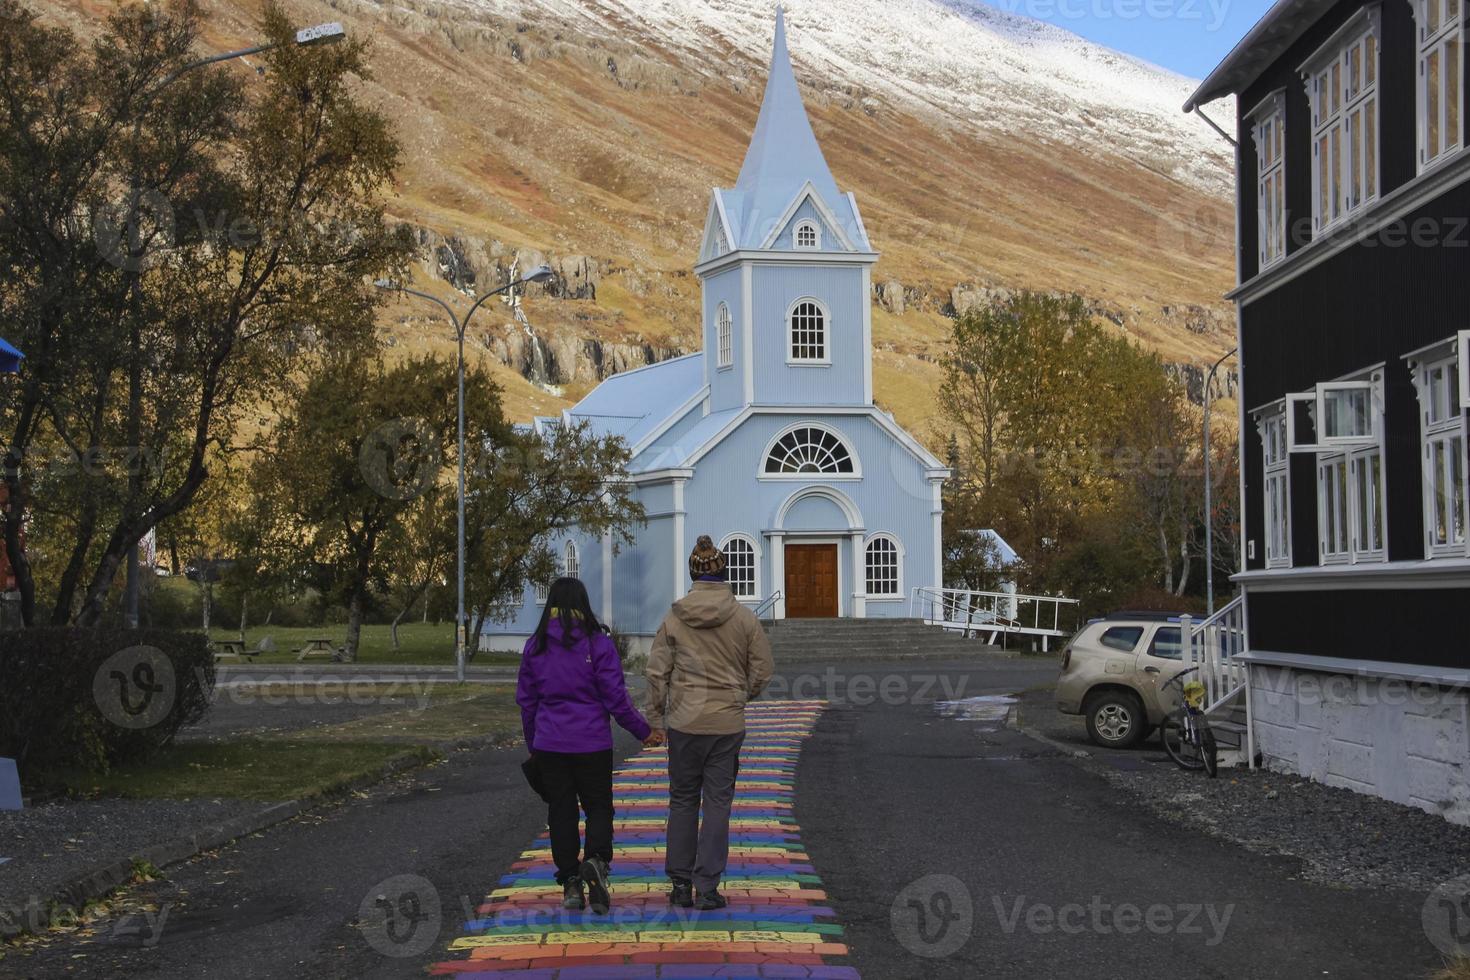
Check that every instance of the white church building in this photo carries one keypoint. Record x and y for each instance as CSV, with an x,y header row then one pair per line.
x,y
768,439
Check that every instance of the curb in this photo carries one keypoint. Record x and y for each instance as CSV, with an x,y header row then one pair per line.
x,y
38,913
1013,722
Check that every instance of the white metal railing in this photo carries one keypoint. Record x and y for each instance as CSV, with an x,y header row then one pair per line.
x,y
1212,645
769,602
994,612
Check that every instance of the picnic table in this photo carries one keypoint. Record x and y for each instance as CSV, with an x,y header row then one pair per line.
x,y
317,646
229,648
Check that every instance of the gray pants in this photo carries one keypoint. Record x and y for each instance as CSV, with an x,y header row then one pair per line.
x,y
700,767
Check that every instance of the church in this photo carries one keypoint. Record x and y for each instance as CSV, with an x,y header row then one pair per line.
x,y
768,439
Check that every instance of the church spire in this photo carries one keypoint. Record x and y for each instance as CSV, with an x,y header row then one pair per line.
x,y
783,153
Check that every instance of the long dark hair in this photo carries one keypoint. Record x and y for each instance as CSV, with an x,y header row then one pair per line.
x,y
568,596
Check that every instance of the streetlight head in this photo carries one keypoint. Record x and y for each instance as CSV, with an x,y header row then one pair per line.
x,y
386,284
321,34
539,274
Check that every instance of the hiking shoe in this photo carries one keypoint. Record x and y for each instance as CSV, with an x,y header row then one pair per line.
x,y
682,895
710,900
594,876
571,894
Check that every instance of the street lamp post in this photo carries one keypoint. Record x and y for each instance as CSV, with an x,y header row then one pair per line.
x,y
306,37
1209,492
538,274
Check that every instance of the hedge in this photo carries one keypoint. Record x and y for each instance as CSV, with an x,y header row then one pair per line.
x,y
93,699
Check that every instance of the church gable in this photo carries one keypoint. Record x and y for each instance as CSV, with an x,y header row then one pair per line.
x,y
807,230
718,238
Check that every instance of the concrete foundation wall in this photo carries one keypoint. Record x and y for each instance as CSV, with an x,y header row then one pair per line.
x,y
1409,743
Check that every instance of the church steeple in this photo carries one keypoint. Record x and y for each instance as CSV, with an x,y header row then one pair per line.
x,y
783,153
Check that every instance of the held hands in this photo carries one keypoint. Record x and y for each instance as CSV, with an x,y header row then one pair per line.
x,y
656,737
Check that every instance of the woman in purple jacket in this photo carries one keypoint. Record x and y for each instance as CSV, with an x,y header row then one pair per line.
x,y
571,680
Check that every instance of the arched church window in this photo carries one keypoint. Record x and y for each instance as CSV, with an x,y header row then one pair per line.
x,y
723,340
740,566
570,566
808,236
882,566
808,449
808,332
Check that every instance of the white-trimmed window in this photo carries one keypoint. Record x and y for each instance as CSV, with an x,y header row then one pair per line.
x,y
1443,435
809,450
809,333
807,235
570,567
883,562
1277,510
740,565
542,591
1269,133
724,342
1439,28
1342,422
1342,86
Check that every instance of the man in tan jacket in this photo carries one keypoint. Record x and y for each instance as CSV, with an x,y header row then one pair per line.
x,y
709,658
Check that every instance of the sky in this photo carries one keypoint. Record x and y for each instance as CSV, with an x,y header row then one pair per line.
x,y
1186,36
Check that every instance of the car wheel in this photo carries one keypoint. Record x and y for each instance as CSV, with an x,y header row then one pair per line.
x,y
1115,719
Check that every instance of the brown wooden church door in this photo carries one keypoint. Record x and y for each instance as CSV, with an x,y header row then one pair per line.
x,y
811,581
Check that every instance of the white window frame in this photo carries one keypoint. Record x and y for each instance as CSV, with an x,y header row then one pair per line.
x,y
724,338
1276,460
857,465
571,565
1443,425
755,565
1338,112
1269,135
806,224
1316,402
825,360
1350,457
542,591
898,558
1450,31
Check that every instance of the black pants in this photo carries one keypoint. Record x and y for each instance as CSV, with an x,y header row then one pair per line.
x,y
573,777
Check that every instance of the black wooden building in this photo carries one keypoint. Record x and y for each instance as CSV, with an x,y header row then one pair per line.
x,y
1353,300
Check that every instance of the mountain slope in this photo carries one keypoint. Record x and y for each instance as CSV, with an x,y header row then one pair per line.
x,y
988,152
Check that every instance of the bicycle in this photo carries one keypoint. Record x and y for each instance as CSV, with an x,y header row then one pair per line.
x,y
1185,732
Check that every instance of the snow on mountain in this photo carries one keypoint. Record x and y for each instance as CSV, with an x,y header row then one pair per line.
x,y
974,65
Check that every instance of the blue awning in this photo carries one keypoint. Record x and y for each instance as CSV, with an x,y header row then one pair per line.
x,y
10,358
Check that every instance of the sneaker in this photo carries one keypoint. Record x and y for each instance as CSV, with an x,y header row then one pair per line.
x,y
594,876
710,900
682,895
571,894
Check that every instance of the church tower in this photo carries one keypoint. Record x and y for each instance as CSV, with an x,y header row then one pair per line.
x,y
786,269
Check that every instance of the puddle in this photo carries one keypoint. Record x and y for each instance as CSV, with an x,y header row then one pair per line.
x,y
986,707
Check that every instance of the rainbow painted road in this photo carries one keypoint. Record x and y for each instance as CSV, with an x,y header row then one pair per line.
x,y
777,923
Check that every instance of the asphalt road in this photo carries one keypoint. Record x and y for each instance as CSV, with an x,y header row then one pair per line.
x,y
949,848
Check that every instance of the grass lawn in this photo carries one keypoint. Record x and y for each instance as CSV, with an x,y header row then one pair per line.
x,y
449,716
247,769
430,644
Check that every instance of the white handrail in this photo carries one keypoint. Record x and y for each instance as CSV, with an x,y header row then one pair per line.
x,y
1212,645
975,610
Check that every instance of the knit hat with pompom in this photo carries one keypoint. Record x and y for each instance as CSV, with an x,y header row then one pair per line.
x,y
706,559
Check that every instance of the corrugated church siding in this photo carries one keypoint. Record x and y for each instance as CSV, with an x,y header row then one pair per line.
x,y
786,241
643,578
840,288
1406,626
725,495
727,387
1396,112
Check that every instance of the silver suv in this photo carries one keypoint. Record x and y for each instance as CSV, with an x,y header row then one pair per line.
x,y
1112,672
